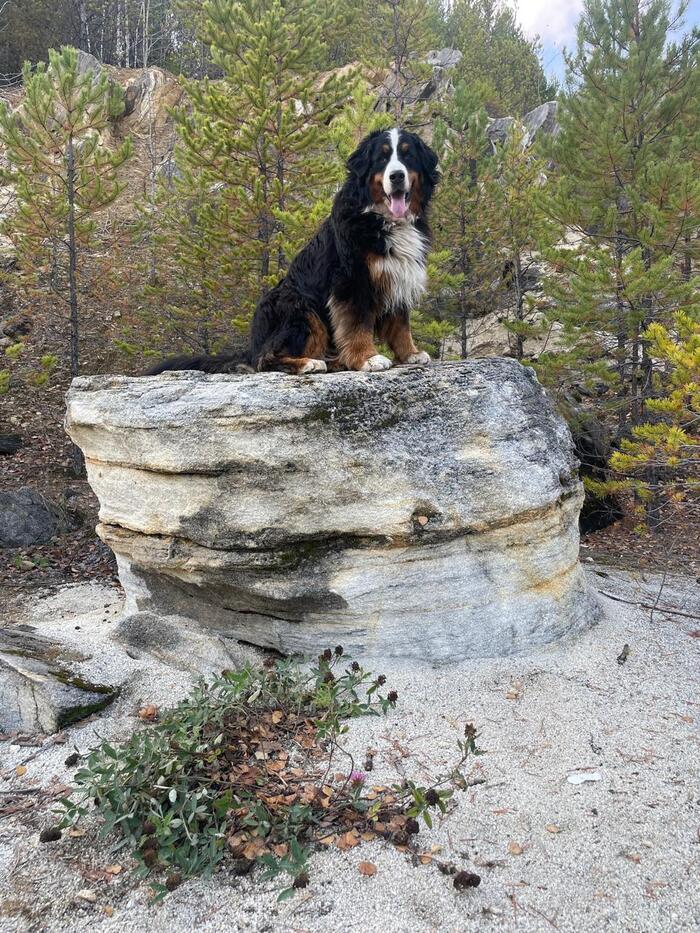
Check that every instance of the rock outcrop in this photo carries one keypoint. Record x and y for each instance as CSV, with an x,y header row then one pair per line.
x,y
39,689
427,513
28,518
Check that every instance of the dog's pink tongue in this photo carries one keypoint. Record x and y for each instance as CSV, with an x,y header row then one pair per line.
x,y
398,205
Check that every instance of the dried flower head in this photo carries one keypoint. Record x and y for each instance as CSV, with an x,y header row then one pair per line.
x,y
412,826
432,797
381,680
338,651
355,667
470,731
466,879
392,696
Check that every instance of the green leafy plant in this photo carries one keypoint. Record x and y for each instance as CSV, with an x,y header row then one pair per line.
x,y
247,765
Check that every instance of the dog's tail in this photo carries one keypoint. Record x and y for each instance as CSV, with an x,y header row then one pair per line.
x,y
222,363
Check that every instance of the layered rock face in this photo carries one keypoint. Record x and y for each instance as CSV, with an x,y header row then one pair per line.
x,y
427,513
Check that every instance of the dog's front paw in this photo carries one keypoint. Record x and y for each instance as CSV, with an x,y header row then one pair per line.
x,y
421,358
313,366
375,364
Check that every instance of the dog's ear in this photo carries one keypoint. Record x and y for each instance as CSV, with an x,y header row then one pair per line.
x,y
428,161
359,162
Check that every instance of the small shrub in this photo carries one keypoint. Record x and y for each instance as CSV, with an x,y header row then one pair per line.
x,y
248,764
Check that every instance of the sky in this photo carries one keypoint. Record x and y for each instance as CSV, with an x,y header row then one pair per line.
x,y
555,23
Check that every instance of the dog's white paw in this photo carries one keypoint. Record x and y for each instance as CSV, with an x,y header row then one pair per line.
x,y
313,366
421,358
376,364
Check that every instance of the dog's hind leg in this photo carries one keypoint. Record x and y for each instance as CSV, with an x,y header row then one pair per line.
x,y
299,348
354,337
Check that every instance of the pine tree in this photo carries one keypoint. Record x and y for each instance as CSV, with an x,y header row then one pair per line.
x,y
258,140
520,229
661,460
62,173
402,33
497,56
629,191
466,269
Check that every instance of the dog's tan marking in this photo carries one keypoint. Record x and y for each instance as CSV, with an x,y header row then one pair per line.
x,y
396,331
355,343
317,342
416,192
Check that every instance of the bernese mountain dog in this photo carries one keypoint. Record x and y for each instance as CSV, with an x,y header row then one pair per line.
x,y
358,278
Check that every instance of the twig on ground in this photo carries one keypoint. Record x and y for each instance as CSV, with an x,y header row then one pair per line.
x,y
633,602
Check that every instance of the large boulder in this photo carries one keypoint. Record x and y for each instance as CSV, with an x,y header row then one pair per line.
x,y
28,518
428,513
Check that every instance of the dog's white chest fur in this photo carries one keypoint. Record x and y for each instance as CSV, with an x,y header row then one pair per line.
x,y
402,272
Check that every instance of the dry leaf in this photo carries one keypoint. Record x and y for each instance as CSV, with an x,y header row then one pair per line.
x,y
109,910
515,848
553,828
422,520
76,833
20,770
425,858
277,716
367,868
633,857
328,840
149,713
348,840
114,869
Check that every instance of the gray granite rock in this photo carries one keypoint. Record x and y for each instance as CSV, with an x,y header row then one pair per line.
x,y
27,518
424,513
39,689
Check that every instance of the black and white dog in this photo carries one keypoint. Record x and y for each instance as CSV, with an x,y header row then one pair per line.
x,y
357,279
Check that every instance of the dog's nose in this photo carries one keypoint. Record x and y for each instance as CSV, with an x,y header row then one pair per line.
x,y
397,178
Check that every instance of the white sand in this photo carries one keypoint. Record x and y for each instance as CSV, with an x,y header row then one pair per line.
x,y
627,856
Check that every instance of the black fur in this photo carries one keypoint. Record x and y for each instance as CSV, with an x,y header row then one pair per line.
x,y
333,263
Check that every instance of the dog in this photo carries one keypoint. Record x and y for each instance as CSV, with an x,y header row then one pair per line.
x,y
357,280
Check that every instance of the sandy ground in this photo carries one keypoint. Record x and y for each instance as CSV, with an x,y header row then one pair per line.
x,y
618,853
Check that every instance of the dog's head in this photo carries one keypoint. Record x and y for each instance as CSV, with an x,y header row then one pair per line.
x,y
395,173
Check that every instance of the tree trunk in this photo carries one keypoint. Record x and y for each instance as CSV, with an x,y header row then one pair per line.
x,y
76,455
519,303
621,329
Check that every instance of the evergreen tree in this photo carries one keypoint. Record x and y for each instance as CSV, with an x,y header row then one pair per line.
x,y
466,270
62,173
258,140
402,33
520,229
497,56
661,460
629,191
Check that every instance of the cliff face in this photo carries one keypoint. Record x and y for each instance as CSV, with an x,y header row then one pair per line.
x,y
148,97
419,513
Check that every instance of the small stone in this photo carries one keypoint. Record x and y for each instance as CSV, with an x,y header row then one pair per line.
x,y
85,894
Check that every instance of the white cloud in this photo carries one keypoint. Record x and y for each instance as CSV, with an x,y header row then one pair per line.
x,y
553,20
